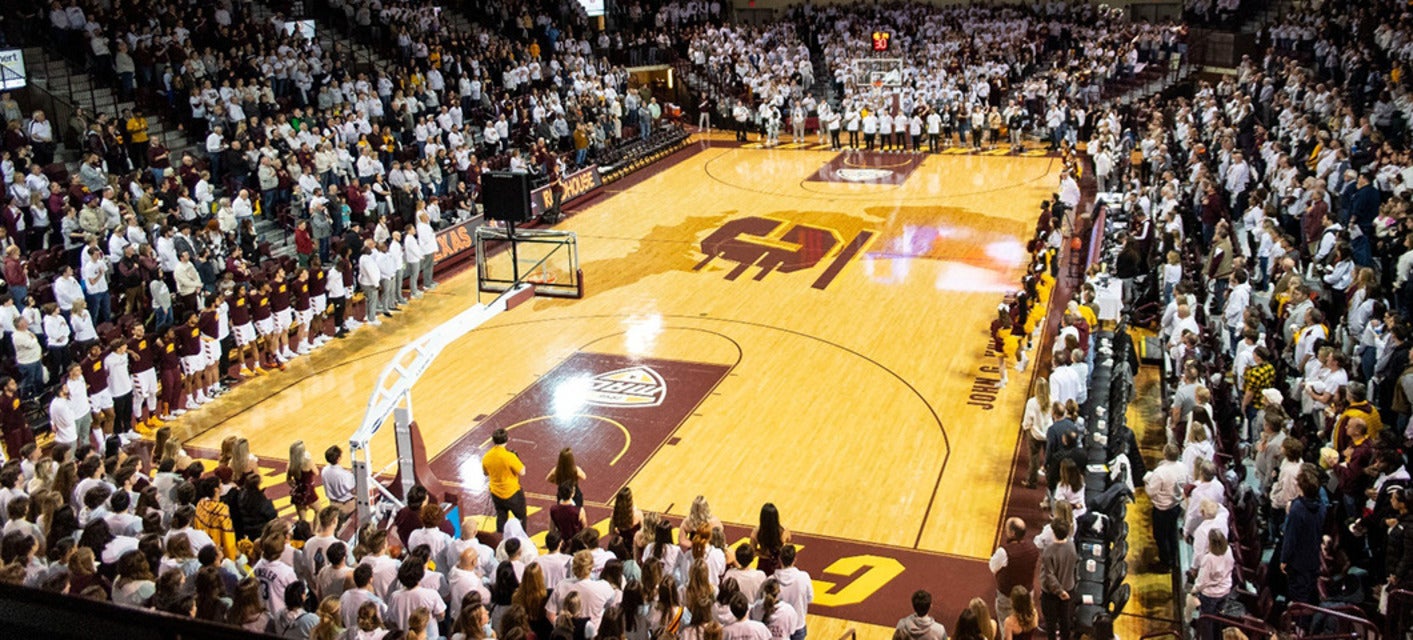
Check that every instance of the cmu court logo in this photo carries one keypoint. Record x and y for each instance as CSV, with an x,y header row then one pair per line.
x,y
772,245
633,387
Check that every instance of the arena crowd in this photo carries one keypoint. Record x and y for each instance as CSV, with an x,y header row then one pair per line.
x,y
1268,241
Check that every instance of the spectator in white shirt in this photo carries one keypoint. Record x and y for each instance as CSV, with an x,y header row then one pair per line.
x,y
338,483
796,588
336,576
81,321
95,276
595,595
430,534
385,569
242,208
370,280
67,289
181,525
554,564
362,592
749,580
466,577
61,417
413,596
274,575
744,628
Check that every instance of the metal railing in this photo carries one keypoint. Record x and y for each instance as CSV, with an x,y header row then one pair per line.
x,y
34,613
64,83
57,109
38,98
1346,625
1252,627
1400,613
1170,633
364,52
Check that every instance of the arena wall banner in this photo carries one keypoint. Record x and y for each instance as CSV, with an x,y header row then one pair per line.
x,y
457,242
576,185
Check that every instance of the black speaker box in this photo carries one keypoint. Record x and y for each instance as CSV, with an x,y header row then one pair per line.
x,y
506,196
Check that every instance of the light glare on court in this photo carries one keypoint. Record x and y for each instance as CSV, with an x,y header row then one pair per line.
x,y
1010,252
640,337
571,396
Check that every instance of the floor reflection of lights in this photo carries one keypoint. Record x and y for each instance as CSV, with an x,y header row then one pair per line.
x,y
641,332
894,265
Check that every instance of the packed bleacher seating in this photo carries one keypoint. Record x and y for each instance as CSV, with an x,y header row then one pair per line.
x,y
285,132
1260,233
144,242
968,71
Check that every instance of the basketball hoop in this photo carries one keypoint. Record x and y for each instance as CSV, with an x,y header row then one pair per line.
x,y
877,73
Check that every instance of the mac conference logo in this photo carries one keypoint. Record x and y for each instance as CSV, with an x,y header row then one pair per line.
x,y
863,174
633,387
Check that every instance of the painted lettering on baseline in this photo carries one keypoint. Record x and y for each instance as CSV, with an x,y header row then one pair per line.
x,y
986,385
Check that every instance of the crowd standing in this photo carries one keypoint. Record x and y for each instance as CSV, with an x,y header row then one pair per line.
x,y
974,77
1269,235
1267,243
136,278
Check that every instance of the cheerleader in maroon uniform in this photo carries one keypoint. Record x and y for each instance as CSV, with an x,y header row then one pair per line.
x,y
303,311
143,368
280,295
318,302
264,319
301,479
1000,332
243,329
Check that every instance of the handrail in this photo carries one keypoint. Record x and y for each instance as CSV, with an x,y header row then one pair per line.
x,y
37,613
1359,626
1247,624
1399,614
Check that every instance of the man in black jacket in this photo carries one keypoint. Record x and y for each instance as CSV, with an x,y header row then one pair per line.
x,y
237,166
1062,442
130,280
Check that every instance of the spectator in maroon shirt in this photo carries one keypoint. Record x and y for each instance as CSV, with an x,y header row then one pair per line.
x,y
303,243
15,277
131,281
11,216
357,204
158,158
409,518
12,418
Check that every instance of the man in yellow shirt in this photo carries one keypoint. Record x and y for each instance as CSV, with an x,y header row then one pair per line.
x,y
138,141
504,468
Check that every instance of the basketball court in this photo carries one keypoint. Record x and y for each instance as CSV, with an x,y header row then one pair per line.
x,y
790,325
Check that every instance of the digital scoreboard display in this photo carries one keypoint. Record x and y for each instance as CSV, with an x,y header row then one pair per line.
x,y
881,40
